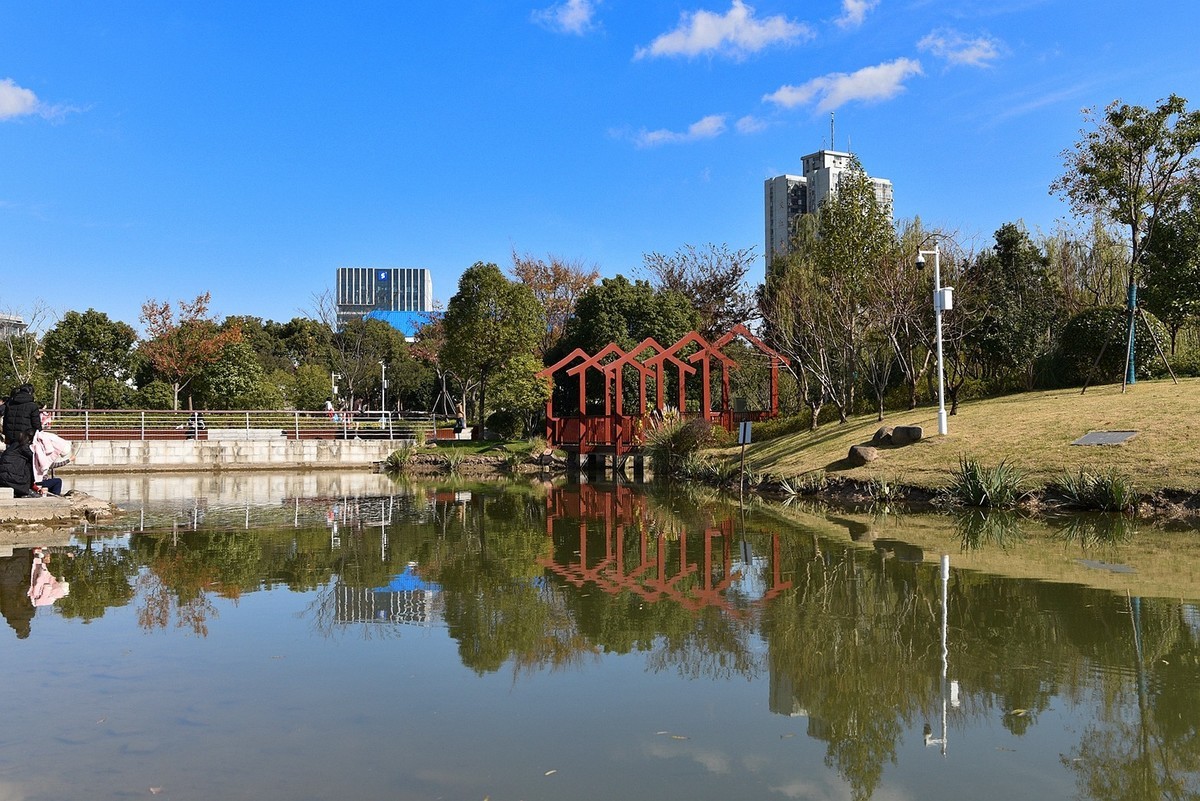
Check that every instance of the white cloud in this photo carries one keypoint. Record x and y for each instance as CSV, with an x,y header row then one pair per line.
x,y
750,124
572,16
736,34
956,48
16,101
832,91
711,126
854,12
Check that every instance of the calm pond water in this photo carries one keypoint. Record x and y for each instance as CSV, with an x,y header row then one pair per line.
x,y
343,636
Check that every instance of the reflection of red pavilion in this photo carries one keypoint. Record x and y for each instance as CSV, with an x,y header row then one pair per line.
x,y
603,426
660,566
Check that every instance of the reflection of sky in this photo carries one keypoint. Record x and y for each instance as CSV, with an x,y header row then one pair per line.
x,y
409,581
752,584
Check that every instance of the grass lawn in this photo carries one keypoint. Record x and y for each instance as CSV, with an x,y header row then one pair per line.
x,y
1033,431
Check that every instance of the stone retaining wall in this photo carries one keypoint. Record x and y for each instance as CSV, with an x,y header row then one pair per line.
x,y
228,454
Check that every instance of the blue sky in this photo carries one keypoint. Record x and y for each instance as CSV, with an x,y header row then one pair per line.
x,y
160,150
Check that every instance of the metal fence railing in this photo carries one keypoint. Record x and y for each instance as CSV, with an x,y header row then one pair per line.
x,y
142,424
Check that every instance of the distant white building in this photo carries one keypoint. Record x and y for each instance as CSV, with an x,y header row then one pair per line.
x,y
787,197
362,290
11,325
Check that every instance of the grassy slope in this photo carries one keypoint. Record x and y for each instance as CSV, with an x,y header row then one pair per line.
x,y
1031,430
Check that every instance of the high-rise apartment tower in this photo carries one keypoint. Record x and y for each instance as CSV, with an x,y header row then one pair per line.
x,y
787,197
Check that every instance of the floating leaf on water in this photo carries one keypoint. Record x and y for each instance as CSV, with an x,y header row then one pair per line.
x,y
662,732
551,772
1019,712
679,737
155,790
786,736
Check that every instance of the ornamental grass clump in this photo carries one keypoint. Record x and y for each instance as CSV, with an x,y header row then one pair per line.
x,y
999,487
400,459
1098,492
670,438
452,460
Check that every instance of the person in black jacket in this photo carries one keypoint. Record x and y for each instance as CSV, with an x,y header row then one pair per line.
x,y
16,466
21,413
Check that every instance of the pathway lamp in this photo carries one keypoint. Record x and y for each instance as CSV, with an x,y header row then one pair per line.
x,y
943,300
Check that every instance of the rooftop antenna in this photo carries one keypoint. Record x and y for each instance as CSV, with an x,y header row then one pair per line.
x,y
832,144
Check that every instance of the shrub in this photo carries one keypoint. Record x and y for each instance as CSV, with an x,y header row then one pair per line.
x,y
779,426
1099,492
505,424
1105,327
156,395
1001,487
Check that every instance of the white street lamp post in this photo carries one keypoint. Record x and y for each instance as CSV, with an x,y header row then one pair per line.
x,y
383,388
943,300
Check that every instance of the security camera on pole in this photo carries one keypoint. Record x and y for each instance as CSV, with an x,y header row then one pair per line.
x,y
943,300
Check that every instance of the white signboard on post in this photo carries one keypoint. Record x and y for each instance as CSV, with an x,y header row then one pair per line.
x,y
744,433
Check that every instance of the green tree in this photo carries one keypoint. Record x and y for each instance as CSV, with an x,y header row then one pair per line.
x,y
713,278
616,310
520,392
819,301
235,381
86,347
489,323
1018,303
1172,290
1132,167
360,350
308,388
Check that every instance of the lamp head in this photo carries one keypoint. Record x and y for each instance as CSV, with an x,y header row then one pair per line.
x,y
920,262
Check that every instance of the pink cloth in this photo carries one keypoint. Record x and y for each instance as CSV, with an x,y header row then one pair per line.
x,y
48,449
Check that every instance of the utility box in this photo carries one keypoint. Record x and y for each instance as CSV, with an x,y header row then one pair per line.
x,y
943,299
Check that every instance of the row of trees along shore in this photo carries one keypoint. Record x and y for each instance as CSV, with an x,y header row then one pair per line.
x,y
847,307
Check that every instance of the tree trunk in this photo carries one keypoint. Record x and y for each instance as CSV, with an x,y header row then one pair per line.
x,y
477,434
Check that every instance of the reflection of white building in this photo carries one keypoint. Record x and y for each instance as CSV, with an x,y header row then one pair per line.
x,y
788,197
406,599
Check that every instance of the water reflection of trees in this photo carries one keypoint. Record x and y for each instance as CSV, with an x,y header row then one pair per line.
x,y
543,578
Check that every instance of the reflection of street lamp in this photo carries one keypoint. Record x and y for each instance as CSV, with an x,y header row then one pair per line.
x,y
943,300
383,388
929,738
